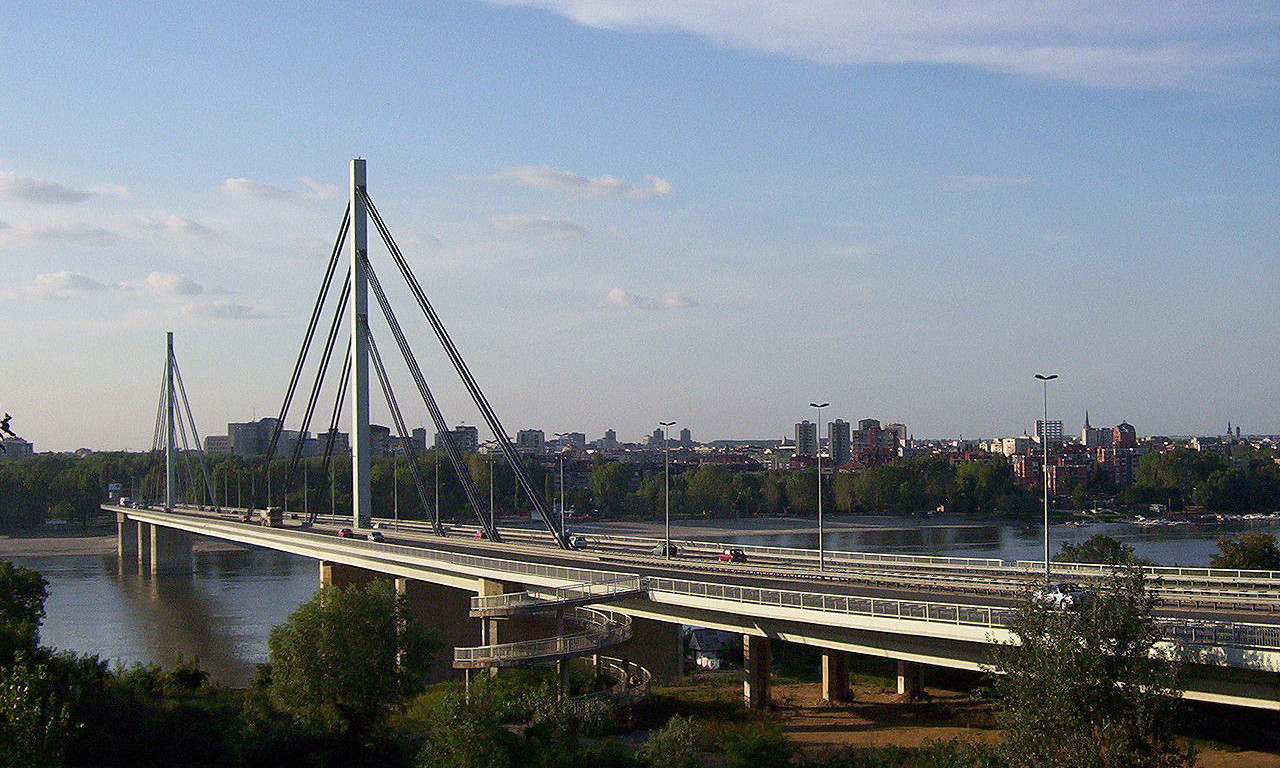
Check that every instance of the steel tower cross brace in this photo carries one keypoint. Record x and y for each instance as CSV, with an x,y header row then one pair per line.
x,y
361,437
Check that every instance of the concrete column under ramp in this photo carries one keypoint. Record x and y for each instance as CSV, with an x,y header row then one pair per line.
x,y
835,677
445,612
170,550
910,681
126,542
658,646
757,664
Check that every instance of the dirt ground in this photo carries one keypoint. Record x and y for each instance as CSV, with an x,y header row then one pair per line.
x,y
878,717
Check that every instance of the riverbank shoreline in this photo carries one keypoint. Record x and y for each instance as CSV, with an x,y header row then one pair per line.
x,y
87,540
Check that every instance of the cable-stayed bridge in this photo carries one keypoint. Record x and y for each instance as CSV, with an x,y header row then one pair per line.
x,y
503,597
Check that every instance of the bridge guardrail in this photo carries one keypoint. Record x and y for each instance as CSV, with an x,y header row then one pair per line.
x,y
631,685
489,604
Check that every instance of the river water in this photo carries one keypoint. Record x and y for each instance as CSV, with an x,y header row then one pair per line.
x,y
222,613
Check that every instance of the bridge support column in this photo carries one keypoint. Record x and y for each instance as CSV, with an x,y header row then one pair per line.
x,y
444,611
170,550
835,677
655,645
910,681
757,663
126,542
340,575
144,546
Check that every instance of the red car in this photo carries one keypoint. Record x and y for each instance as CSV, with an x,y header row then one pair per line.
x,y
732,556
346,533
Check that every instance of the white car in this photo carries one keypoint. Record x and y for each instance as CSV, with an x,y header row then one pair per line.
x,y
577,541
1064,595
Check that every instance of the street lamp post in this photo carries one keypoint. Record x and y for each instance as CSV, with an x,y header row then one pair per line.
x,y
666,485
490,445
560,436
395,487
1044,453
822,560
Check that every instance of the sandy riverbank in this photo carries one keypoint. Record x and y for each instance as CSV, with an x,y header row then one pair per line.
x,y
92,541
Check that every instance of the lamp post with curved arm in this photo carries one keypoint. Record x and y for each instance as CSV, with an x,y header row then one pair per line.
x,y
1044,455
822,560
666,484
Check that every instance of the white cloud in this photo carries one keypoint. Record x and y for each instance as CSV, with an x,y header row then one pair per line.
x,y
55,286
542,226
548,178
57,233
249,188
172,285
627,300
29,190
224,310
1143,43
253,189
170,222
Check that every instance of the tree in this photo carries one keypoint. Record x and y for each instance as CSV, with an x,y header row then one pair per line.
x,y
710,490
675,745
34,723
1100,548
346,657
22,596
1249,551
610,481
1083,688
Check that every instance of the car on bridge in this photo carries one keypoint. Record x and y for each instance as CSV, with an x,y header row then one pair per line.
x,y
1063,595
375,536
732,555
579,542
662,550
346,533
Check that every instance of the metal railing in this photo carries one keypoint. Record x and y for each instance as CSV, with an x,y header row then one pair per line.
x,y
606,628
488,605
631,684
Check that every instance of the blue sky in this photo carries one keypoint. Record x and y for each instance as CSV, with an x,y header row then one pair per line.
x,y
629,212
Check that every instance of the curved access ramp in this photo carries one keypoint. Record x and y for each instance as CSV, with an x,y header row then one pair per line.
x,y
629,685
596,630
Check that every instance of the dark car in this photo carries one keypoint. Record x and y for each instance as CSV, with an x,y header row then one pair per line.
x,y
375,536
1064,595
346,533
661,550
732,556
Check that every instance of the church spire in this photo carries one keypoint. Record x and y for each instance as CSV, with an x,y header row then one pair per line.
x,y
1086,418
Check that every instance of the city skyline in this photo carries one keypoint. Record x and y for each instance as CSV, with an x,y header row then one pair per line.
x,y
631,213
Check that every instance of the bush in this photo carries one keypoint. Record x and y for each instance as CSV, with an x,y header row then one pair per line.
x,y
674,746
756,746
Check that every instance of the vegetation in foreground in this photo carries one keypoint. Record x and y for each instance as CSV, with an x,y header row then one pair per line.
x,y
345,687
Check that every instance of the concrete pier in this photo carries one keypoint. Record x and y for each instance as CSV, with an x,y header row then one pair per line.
x,y
170,550
340,575
910,681
126,543
835,677
443,611
757,665
144,546
655,645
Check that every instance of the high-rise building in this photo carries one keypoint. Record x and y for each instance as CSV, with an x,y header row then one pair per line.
x,y
838,441
657,438
1049,430
898,432
17,448
531,441
577,440
1123,435
609,442
466,438
806,438
686,438
419,439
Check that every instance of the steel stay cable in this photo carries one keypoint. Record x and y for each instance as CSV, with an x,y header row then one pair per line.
x,y
195,435
325,284
398,417
334,417
323,368
437,418
503,440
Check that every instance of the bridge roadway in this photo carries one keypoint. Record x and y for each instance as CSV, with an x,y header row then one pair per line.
x,y
1226,659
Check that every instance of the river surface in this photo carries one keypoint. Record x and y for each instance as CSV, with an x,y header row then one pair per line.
x,y
222,613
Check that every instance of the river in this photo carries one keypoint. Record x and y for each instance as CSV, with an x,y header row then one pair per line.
x,y
222,613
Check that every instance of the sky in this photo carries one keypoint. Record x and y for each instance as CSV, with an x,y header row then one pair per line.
x,y
628,212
